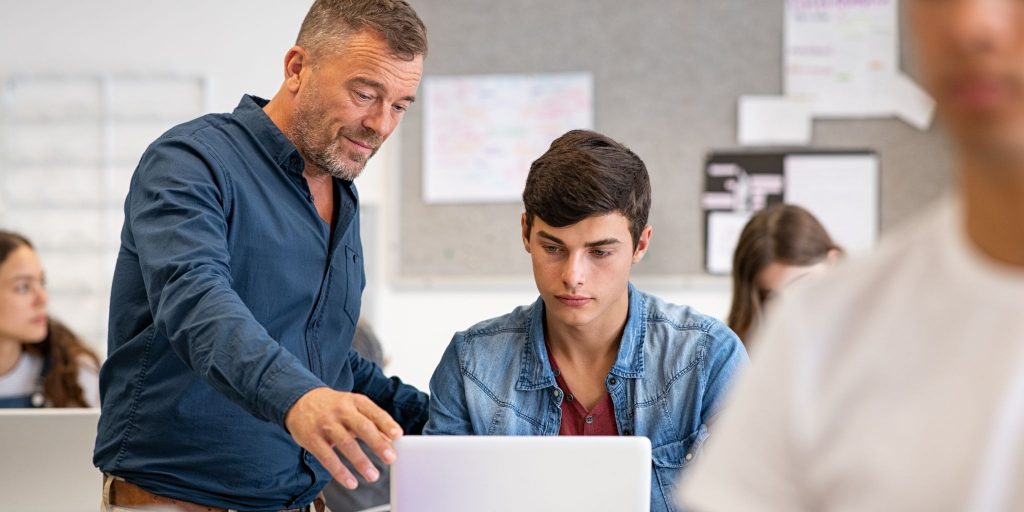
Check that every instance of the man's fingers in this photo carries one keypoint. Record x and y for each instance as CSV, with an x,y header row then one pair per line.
x,y
384,422
367,430
350,449
323,453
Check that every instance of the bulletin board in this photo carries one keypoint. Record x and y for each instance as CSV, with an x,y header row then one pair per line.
x,y
667,75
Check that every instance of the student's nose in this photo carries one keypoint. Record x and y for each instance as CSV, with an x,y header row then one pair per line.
x,y
574,272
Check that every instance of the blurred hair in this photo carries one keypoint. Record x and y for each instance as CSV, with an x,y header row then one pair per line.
x,y
365,342
781,233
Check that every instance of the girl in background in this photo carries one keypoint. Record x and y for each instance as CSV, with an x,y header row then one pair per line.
x,y
779,245
42,363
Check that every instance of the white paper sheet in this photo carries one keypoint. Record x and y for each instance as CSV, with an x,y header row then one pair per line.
x,y
724,230
774,120
481,133
911,103
840,55
841,191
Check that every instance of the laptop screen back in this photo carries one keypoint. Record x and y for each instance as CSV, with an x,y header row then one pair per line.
x,y
505,474
47,460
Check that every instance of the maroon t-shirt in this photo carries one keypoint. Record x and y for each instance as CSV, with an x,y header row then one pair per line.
x,y
576,419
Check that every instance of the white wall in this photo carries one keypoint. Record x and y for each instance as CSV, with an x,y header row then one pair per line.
x,y
238,47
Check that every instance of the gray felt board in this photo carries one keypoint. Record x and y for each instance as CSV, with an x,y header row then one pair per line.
x,y
667,76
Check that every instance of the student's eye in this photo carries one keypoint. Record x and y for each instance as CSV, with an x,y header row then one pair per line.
x,y
361,96
22,288
550,249
400,108
600,253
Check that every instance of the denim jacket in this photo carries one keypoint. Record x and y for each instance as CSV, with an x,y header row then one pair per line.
x,y
668,381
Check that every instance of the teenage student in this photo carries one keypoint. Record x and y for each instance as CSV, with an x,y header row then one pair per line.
x,y
593,355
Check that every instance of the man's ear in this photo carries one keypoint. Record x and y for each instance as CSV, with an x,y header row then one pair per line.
x,y
642,244
295,61
526,232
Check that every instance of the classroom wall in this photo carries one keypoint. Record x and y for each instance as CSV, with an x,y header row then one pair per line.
x,y
231,47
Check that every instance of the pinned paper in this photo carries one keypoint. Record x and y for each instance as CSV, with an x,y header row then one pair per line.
x,y
773,120
841,191
724,230
911,103
841,60
482,132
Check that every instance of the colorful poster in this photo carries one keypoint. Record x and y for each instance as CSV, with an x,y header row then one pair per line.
x,y
481,133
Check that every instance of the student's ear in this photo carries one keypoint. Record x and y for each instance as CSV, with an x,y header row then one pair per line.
x,y
295,61
526,232
643,244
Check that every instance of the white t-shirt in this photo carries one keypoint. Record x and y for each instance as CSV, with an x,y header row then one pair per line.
x,y
22,379
895,382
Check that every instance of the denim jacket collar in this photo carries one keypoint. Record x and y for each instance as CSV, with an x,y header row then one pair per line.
x,y
629,364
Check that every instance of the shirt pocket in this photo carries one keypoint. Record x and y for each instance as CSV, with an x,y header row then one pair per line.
x,y
353,283
670,460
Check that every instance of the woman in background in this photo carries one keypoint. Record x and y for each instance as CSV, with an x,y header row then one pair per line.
x,y
779,245
42,363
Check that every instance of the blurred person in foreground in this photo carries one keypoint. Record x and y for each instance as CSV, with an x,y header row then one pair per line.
x,y
897,381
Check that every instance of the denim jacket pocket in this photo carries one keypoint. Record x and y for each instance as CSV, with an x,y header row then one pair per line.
x,y
670,460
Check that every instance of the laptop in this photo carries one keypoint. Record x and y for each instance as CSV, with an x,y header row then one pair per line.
x,y
46,461
506,474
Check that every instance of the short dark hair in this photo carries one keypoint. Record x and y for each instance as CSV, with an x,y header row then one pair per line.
x,y
329,23
584,174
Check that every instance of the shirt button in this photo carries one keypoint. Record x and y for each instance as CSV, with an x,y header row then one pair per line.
x,y
355,258
557,393
689,456
590,419
569,397
627,432
557,373
613,381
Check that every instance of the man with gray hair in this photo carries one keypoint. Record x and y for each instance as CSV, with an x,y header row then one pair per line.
x,y
230,380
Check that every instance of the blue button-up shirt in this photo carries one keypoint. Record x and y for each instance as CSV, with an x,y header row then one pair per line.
x,y
231,299
669,379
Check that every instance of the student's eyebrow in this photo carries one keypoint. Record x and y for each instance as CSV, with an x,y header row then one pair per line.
x,y
596,243
606,241
377,86
551,237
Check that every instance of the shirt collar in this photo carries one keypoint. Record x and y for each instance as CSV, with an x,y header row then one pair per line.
x,y
250,112
629,364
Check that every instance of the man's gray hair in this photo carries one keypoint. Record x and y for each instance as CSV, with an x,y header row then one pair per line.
x,y
329,23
